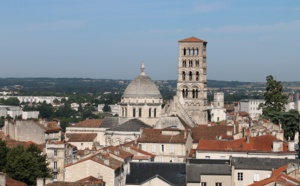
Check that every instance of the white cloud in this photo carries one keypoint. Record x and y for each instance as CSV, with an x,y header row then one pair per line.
x,y
278,27
56,25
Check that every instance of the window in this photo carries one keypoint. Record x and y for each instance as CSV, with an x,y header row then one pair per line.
x,y
162,148
207,157
155,112
197,63
140,112
240,176
203,183
172,149
55,165
55,152
184,63
144,148
133,112
153,148
256,177
218,184
149,112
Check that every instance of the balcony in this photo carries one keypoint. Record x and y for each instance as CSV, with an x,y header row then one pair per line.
x,y
55,170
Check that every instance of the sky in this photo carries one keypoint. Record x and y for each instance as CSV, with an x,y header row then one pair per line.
x,y
247,40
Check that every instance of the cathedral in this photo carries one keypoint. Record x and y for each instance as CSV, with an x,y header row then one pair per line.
x,y
141,103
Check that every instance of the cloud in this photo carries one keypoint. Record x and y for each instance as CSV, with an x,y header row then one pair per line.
x,y
56,25
204,7
234,29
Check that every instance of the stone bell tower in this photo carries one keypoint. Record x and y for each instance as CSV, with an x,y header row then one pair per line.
x,y
191,82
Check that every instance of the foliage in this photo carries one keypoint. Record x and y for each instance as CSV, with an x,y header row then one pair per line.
x,y
2,121
106,108
289,120
27,165
46,110
10,101
65,111
3,154
275,100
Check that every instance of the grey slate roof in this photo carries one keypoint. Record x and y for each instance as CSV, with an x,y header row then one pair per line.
x,y
173,173
260,163
197,167
133,125
109,122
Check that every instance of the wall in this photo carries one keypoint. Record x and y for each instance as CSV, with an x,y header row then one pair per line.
x,y
213,179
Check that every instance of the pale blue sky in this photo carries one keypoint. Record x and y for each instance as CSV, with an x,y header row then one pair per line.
x,y
247,40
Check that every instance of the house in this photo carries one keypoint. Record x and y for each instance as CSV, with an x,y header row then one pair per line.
x,y
154,173
246,171
259,146
110,164
285,175
208,172
168,145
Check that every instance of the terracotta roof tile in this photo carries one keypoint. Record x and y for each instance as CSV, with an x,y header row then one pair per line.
x,y
92,123
255,144
118,152
211,132
156,136
88,181
13,182
81,137
191,39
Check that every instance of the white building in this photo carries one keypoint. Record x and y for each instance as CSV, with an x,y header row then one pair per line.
x,y
218,112
251,107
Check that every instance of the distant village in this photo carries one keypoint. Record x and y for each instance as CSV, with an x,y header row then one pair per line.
x,y
148,141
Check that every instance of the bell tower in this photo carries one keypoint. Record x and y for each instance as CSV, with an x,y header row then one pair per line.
x,y
191,81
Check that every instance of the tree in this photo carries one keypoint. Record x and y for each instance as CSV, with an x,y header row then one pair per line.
x,y
46,110
3,154
106,108
290,124
10,101
275,100
26,166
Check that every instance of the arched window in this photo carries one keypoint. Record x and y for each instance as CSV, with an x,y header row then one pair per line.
x,y
197,93
183,93
197,76
125,112
192,51
190,75
133,112
188,51
197,63
194,93
184,63
183,75
149,112
186,93
140,112
190,63
184,51
155,112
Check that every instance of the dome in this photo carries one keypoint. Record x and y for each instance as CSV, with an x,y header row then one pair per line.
x,y
142,86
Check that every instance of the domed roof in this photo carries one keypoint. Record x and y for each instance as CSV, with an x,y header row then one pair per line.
x,y
142,86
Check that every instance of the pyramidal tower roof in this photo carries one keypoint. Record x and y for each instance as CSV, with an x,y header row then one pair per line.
x,y
191,39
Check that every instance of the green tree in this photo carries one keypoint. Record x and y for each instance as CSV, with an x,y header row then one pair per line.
x,y
10,101
275,100
106,108
290,124
3,154
46,110
27,165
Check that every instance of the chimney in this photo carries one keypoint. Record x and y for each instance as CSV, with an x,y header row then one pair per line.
x,y
277,146
39,182
2,178
247,139
291,145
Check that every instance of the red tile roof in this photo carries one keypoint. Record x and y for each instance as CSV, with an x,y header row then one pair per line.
x,y
88,181
100,158
118,152
255,144
156,136
92,123
278,177
14,143
81,137
211,132
13,182
192,39
52,127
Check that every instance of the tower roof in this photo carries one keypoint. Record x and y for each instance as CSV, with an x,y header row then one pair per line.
x,y
191,39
